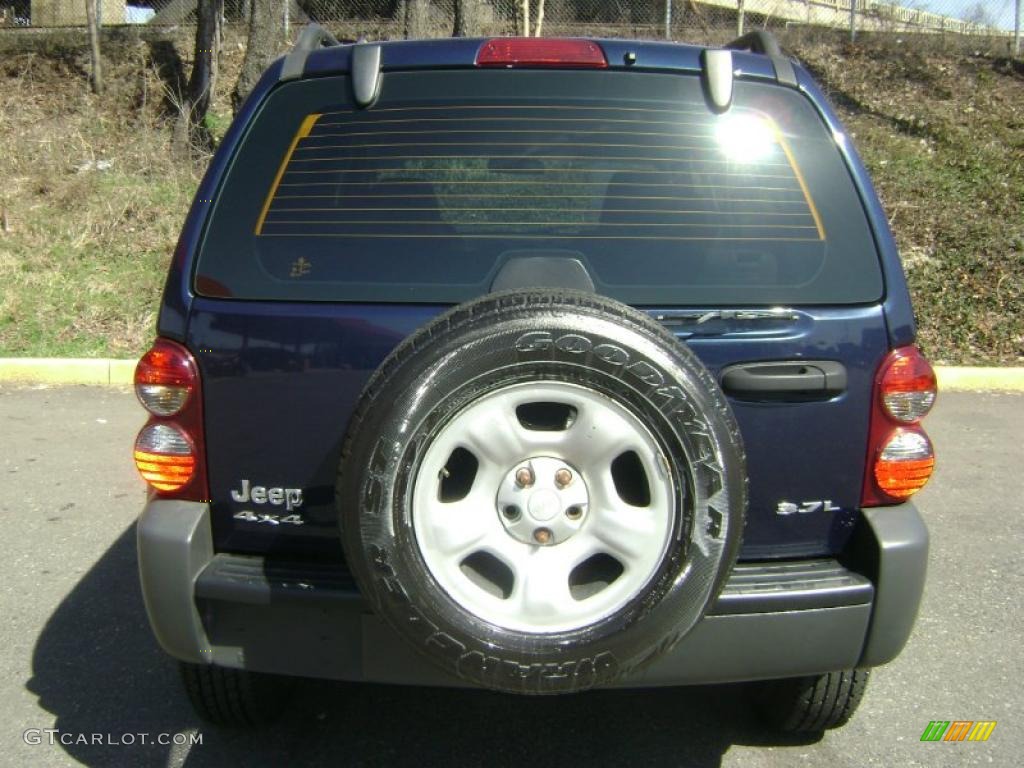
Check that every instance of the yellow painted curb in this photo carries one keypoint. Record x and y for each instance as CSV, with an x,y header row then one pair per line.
x,y
966,379
122,372
40,370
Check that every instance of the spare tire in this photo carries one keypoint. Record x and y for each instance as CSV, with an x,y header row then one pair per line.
x,y
541,491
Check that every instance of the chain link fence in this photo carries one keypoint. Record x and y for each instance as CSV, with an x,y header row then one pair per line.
x,y
704,21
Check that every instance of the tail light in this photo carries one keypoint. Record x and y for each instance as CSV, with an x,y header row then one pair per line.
x,y
900,455
165,457
541,52
164,378
169,450
907,385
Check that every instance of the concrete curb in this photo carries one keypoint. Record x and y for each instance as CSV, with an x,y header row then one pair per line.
x,y
42,370
954,378
100,372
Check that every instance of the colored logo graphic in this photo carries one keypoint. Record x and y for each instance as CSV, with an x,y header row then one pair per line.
x,y
958,730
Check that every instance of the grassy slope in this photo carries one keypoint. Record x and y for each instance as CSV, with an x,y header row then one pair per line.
x,y
943,137
80,265
83,263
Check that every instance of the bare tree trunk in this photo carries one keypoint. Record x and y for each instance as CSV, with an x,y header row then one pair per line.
x,y
540,18
207,55
698,14
417,19
264,35
526,18
468,18
191,129
96,77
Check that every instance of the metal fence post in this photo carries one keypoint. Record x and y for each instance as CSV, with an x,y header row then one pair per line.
x,y
1016,29
668,19
740,12
853,20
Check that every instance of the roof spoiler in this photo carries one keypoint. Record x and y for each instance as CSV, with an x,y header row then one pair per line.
x,y
365,61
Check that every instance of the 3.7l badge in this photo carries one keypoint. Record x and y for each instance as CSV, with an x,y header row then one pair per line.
x,y
805,507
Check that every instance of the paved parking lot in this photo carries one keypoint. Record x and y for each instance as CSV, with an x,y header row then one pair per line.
x,y
76,653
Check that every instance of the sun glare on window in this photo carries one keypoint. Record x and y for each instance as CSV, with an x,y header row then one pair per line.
x,y
745,138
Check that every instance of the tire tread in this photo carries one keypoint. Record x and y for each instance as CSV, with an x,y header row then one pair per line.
x,y
811,704
233,697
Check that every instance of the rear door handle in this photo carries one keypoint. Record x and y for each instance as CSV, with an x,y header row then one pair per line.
x,y
811,379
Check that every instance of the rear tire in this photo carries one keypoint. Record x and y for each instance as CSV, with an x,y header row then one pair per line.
x,y
810,704
234,698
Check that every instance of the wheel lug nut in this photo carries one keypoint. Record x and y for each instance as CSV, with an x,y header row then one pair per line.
x,y
511,512
575,512
524,477
563,477
542,536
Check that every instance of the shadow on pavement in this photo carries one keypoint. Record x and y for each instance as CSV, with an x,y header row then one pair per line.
x,y
98,670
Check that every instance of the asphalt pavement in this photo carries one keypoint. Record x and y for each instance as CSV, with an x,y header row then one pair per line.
x,y
76,653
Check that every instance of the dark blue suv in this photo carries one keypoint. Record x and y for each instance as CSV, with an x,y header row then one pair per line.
x,y
538,365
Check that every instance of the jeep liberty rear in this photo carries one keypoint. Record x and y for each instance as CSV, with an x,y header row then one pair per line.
x,y
569,363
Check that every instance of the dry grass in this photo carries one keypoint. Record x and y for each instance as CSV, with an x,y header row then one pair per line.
x,y
94,198
943,138
84,261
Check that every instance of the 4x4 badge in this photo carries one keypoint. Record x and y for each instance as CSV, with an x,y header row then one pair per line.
x,y
805,507
254,517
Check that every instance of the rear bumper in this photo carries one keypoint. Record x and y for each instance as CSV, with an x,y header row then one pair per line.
x,y
772,619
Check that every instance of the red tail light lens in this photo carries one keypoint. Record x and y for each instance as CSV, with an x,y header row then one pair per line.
x,y
169,450
164,378
908,385
900,455
541,52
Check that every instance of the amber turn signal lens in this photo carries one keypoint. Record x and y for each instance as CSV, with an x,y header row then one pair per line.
x,y
905,464
164,457
165,473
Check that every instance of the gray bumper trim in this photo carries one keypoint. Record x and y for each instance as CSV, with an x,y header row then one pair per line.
x,y
175,544
258,581
791,586
304,638
751,588
772,619
891,546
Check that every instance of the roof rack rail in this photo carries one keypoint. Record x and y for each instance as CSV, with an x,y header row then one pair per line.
x,y
761,41
312,37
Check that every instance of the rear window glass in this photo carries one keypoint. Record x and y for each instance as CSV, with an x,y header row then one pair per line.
x,y
427,195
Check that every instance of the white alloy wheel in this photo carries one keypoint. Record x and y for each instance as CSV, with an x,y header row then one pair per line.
x,y
543,527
